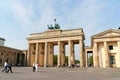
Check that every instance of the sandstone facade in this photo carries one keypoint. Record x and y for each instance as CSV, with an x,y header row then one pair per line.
x,y
105,47
41,46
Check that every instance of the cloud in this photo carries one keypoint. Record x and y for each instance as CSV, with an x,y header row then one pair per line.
x,y
34,15
80,14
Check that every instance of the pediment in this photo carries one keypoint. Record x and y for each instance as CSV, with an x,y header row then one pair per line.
x,y
107,33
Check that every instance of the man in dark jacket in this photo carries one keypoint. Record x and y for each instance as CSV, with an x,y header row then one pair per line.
x,y
10,67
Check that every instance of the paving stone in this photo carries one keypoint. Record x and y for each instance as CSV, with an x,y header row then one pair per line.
x,y
55,73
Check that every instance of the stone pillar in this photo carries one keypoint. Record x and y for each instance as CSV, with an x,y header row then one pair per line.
x,y
81,53
36,53
95,55
32,57
73,54
86,57
50,54
62,54
46,54
59,52
41,54
106,55
28,55
69,53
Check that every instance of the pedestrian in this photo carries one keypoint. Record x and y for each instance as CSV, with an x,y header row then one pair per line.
x,y
36,67
33,67
5,66
9,68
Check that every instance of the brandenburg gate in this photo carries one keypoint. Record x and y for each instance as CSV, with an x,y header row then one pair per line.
x,y
41,46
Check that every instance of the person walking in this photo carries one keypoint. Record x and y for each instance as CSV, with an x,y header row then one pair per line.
x,y
33,67
36,67
5,66
9,68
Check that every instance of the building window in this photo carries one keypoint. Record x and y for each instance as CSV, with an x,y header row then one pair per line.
x,y
1,54
112,60
110,47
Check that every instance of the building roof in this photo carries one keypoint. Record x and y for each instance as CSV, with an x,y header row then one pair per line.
x,y
57,33
5,47
107,33
2,39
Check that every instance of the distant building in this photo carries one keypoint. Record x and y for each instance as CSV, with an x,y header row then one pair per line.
x,y
2,41
14,56
105,48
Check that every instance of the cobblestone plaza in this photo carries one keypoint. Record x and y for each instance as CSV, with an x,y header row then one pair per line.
x,y
54,73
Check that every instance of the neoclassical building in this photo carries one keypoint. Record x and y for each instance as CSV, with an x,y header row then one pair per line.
x,y
14,56
106,48
41,46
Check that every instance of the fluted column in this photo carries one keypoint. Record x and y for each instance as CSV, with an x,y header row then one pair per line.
x,y
81,53
86,57
95,55
32,54
70,52
62,54
106,54
59,52
73,54
50,54
45,56
36,54
41,54
28,55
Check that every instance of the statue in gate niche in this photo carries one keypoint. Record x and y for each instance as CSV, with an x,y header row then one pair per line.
x,y
56,26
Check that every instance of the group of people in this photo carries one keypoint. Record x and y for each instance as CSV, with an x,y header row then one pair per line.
x,y
7,67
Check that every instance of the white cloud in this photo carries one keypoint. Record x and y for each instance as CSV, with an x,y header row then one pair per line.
x,y
77,14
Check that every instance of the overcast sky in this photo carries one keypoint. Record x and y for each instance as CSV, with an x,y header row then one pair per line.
x,y
19,18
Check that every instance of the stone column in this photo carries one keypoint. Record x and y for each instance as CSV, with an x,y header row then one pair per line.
x,y
59,52
95,55
36,53
106,55
32,54
70,52
62,54
73,54
86,56
81,53
41,54
45,54
50,54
